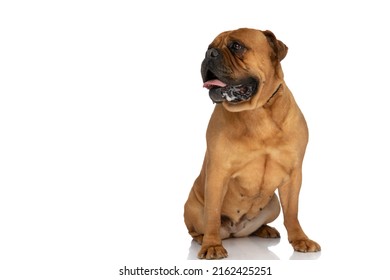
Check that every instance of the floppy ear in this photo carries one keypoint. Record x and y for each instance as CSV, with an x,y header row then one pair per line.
x,y
280,49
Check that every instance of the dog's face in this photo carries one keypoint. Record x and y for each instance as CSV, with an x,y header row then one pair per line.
x,y
242,68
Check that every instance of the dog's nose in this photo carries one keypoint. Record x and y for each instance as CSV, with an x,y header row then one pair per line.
x,y
213,53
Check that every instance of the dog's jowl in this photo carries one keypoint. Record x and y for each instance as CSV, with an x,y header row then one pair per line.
x,y
256,141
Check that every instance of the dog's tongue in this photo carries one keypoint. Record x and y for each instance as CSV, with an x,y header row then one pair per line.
x,y
214,83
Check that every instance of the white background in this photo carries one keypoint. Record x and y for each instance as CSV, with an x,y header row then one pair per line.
x,y
102,124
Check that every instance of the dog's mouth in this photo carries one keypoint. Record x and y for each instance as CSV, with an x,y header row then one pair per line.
x,y
220,91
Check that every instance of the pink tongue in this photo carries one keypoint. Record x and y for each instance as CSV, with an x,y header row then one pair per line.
x,y
213,83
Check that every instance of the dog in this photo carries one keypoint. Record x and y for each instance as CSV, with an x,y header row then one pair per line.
x,y
256,141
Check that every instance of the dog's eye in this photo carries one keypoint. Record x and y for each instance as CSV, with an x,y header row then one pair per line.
x,y
237,48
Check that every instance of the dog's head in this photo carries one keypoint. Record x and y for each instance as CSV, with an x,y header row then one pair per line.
x,y
242,68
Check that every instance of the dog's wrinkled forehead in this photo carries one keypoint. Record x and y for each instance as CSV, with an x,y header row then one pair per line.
x,y
262,42
244,36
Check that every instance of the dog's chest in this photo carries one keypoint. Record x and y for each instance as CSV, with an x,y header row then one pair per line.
x,y
252,186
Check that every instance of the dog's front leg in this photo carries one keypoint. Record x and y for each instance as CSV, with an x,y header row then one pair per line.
x,y
289,194
215,190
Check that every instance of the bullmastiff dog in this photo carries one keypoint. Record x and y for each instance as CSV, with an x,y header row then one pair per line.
x,y
256,141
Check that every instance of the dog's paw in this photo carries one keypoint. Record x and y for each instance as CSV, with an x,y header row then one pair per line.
x,y
212,252
267,232
305,245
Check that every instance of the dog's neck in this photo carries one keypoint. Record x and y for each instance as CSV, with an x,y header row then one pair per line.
x,y
271,99
267,118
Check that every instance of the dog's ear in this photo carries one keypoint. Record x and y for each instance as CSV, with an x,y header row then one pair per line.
x,y
279,48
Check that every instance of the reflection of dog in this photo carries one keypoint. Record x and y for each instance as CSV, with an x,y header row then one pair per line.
x,y
256,141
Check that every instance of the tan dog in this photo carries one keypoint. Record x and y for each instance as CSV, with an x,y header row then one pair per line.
x,y
256,140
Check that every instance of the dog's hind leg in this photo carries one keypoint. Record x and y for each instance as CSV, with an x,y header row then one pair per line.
x,y
272,212
193,217
266,231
